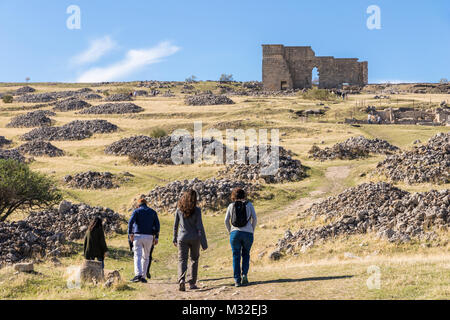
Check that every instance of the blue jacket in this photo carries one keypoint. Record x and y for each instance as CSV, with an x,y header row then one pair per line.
x,y
144,220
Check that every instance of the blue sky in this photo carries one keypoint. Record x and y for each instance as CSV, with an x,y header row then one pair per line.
x,y
171,40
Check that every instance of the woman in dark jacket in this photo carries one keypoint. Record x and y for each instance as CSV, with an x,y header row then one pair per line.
x,y
94,241
188,235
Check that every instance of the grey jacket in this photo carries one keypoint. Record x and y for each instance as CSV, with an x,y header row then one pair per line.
x,y
190,228
251,215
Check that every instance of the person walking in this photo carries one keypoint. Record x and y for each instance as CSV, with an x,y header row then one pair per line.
x,y
142,227
94,242
188,236
240,222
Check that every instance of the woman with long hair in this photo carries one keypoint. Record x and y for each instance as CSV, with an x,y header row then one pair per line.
x,y
94,241
188,236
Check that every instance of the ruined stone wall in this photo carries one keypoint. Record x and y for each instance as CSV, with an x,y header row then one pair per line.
x,y
292,67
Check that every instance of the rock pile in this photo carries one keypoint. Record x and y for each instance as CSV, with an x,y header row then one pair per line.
x,y
75,130
4,142
24,90
113,108
426,163
11,154
91,180
353,148
44,233
212,193
118,97
40,149
288,169
71,104
207,100
36,98
144,150
39,118
391,213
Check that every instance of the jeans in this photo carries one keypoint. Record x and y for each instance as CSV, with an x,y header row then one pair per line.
x,y
142,245
186,248
241,243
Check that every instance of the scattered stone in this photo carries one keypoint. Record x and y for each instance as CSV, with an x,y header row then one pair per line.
x,y
71,104
40,148
113,108
207,99
391,213
36,98
112,278
24,267
353,148
427,163
212,193
24,90
91,271
39,118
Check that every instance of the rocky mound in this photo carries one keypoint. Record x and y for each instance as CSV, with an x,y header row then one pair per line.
x,y
353,148
425,163
90,96
24,90
288,169
207,100
40,149
44,233
119,97
91,180
36,98
75,130
113,108
71,104
393,214
39,118
4,142
143,150
212,193
11,154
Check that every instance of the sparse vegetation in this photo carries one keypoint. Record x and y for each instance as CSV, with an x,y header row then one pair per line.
x,y
226,77
7,98
318,94
158,133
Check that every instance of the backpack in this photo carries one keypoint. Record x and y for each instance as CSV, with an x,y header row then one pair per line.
x,y
239,214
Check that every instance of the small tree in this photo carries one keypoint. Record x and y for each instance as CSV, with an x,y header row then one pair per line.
x,y
21,188
226,77
7,98
27,79
191,79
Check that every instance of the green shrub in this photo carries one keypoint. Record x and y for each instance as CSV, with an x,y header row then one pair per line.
x,y
21,188
7,98
318,94
158,133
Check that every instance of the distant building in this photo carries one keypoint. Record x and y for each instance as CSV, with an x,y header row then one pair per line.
x,y
291,68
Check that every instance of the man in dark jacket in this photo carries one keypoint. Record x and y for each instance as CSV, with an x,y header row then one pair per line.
x,y
142,227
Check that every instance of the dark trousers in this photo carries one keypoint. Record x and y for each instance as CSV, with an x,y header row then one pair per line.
x,y
188,248
150,258
241,244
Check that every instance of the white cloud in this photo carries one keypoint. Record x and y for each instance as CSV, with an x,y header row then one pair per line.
x,y
97,49
133,61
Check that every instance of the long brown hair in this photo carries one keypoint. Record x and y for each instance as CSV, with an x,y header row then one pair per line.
x,y
96,223
188,202
238,194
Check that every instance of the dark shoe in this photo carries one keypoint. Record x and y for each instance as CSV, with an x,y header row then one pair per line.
x,y
193,287
244,280
237,284
142,279
182,286
149,276
135,279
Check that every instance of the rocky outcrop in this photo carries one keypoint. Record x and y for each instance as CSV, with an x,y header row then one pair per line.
x,y
207,100
4,142
40,149
39,118
113,108
11,154
71,104
91,180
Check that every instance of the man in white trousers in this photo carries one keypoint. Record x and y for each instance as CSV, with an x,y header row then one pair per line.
x,y
143,224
